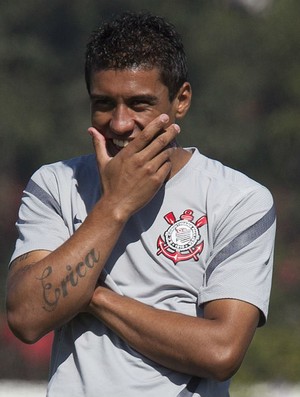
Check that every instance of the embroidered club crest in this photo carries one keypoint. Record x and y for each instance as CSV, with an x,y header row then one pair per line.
x,y
182,240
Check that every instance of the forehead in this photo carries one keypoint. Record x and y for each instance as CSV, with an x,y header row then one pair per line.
x,y
127,82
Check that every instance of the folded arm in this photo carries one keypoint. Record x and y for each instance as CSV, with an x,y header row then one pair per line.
x,y
210,347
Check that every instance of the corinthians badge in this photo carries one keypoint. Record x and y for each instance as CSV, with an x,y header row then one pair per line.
x,y
181,240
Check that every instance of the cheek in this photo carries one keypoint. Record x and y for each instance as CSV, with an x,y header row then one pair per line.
x,y
143,119
99,119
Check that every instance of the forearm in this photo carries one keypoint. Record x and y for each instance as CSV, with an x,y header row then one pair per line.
x,y
196,346
43,294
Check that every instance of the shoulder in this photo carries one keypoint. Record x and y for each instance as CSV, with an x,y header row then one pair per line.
x,y
224,181
66,170
232,200
69,166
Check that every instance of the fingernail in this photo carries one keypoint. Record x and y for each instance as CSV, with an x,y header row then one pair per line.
x,y
177,128
90,132
164,118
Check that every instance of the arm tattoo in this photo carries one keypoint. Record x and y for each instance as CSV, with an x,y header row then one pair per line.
x,y
52,294
19,259
23,257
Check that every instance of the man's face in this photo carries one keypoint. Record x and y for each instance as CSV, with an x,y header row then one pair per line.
x,y
123,102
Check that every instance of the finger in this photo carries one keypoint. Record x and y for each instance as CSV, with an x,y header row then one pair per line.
x,y
163,164
162,141
99,144
160,159
149,133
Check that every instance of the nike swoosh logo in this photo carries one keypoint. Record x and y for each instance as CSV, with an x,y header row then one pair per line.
x,y
76,220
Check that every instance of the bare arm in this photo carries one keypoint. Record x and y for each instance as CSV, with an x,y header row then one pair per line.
x,y
45,290
210,347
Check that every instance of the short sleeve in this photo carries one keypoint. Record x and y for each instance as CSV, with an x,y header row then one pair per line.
x,y
40,222
241,263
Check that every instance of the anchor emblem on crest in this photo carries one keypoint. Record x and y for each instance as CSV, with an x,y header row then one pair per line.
x,y
181,240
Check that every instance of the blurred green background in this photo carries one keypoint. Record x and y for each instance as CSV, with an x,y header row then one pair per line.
x,y
244,66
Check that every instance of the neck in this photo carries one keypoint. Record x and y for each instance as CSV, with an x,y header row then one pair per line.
x,y
179,159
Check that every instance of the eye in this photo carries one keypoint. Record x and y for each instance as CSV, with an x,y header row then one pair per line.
x,y
103,104
141,104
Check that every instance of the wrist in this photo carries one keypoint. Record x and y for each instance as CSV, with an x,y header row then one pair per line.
x,y
113,210
100,300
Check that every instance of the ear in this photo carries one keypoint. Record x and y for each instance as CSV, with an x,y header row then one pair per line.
x,y
183,100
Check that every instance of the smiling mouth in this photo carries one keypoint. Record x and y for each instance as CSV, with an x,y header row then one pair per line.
x,y
120,143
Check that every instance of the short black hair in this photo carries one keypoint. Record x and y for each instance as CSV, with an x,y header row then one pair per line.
x,y
138,40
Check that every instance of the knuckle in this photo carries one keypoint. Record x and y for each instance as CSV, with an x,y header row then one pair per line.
x,y
156,180
145,135
149,169
162,140
138,161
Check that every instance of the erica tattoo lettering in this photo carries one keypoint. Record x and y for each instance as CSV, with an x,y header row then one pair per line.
x,y
52,294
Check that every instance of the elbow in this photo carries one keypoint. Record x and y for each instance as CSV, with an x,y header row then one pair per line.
x,y
225,364
225,372
220,366
23,328
21,331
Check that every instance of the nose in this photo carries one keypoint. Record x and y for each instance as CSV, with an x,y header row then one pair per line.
x,y
122,121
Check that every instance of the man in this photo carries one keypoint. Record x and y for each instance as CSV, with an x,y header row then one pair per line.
x,y
155,275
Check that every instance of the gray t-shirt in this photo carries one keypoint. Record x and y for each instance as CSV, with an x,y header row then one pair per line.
x,y
208,234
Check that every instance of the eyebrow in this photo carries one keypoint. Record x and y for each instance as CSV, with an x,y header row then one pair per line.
x,y
144,98
152,99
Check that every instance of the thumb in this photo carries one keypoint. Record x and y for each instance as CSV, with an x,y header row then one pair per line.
x,y
99,144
